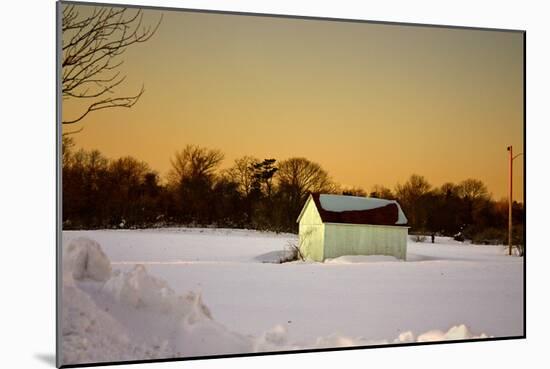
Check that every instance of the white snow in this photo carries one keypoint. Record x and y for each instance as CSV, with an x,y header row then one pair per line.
x,y
341,203
89,333
195,292
351,259
83,258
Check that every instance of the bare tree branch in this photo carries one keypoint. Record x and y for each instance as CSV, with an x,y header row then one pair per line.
x,y
121,102
68,133
92,45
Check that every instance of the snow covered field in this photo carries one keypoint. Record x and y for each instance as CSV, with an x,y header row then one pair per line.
x,y
139,294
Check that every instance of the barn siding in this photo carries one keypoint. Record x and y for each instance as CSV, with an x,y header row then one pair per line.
x,y
311,233
352,239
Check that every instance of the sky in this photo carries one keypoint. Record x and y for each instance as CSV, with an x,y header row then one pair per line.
x,y
371,103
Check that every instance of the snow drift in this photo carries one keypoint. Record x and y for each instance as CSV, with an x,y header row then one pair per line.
x,y
131,315
83,258
360,259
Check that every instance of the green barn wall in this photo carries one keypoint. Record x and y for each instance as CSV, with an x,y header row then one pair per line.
x,y
352,239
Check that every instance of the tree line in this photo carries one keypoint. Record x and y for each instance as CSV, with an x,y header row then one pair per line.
x,y
263,194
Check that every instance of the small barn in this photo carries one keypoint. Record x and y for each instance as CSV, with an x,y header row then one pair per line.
x,y
336,225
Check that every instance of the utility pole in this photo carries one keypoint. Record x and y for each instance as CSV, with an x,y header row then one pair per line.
x,y
510,200
511,160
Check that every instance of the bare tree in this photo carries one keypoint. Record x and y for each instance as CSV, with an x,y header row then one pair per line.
x,y
91,47
67,145
449,189
353,191
194,162
297,177
413,189
242,173
413,197
302,176
192,178
381,192
472,189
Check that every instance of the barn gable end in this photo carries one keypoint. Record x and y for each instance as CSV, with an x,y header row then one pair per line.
x,y
312,232
310,213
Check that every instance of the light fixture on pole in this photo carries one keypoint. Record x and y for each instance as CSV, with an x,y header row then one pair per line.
x,y
510,200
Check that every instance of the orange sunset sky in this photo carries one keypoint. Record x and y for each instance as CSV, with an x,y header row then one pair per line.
x,y
371,103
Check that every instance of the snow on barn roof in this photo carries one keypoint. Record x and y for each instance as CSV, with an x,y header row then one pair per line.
x,y
358,210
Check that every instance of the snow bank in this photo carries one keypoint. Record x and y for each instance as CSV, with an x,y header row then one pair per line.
x,y
83,258
272,340
139,290
458,332
352,259
335,340
88,333
208,337
132,315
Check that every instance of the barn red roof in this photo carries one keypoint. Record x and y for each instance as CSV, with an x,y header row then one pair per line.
x,y
358,210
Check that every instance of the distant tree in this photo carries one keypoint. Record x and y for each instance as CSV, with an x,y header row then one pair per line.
x,y
354,191
153,197
257,205
444,215
85,179
151,185
67,146
475,199
192,178
227,206
91,48
127,177
413,197
263,173
242,173
297,177
98,192
303,176
129,172
381,192
194,162
449,189
472,189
